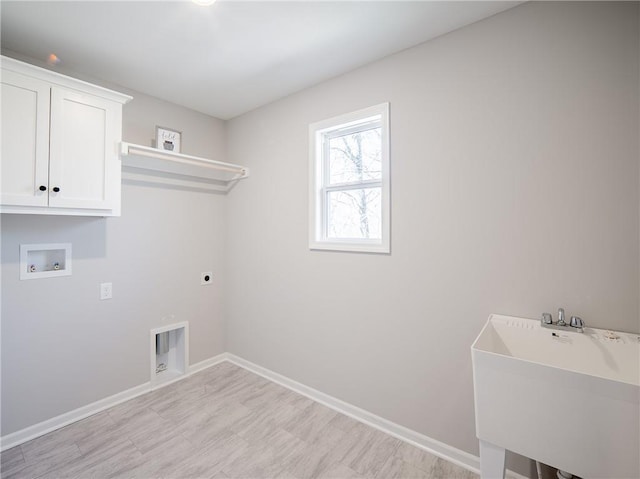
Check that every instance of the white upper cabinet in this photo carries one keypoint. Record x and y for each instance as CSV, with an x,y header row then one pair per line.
x,y
25,140
60,140
81,151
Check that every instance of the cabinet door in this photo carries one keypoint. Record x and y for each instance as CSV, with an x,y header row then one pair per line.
x,y
25,140
84,165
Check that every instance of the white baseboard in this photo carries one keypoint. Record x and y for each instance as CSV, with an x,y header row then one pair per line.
x,y
207,363
433,446
15,438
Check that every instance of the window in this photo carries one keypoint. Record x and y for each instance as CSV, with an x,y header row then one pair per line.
x,y
349,182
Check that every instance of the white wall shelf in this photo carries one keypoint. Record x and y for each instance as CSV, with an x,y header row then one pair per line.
x,y
179,169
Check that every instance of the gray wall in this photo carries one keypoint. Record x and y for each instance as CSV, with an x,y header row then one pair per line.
x,y
62,348
514,150
514,190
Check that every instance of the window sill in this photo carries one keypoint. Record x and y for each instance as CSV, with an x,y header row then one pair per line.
x,y
350,247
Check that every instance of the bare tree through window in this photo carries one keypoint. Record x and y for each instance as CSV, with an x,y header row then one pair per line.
x,y
355,158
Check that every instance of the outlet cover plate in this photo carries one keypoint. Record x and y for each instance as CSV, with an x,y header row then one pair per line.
x,y
106,290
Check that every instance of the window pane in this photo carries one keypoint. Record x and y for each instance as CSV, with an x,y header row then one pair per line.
x,y
355,157
354,214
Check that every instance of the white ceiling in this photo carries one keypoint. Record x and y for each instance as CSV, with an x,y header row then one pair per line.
x,y
230,57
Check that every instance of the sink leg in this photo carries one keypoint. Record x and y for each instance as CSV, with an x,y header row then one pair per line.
x,y
491,461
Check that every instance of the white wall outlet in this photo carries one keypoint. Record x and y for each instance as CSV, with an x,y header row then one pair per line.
x,y
206,277
106,290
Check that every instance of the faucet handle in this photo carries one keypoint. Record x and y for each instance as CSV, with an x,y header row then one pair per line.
x,y
576,322
547,318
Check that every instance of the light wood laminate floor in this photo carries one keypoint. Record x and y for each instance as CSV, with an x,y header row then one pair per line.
x,y
224,422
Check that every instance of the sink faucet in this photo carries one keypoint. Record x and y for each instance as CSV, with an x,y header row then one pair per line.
x,y
576,324
561,317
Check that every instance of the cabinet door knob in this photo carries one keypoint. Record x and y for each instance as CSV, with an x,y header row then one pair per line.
x,y
42,188
56,189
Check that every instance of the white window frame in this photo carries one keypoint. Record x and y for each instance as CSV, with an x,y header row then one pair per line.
x,y
319,188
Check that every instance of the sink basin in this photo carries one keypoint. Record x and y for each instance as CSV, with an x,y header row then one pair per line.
x,y
570,400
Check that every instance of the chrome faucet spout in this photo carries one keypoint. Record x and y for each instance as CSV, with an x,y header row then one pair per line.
x,y
561,321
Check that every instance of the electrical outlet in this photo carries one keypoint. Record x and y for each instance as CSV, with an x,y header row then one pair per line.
x,y
106,290
206,277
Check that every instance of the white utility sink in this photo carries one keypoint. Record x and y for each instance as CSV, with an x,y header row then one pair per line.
x,y
567,399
